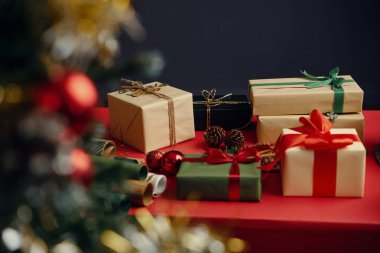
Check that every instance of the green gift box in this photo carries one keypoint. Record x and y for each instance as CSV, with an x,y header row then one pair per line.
x,y
204,181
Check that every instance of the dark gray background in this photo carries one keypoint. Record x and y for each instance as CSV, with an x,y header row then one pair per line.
x,y
221,44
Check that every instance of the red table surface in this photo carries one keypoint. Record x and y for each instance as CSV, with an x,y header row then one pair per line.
x,y
288,224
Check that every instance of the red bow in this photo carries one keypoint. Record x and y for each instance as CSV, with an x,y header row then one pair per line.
x,y
315,135
215,156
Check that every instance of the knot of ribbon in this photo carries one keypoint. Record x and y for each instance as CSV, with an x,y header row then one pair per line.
x,y
331,80
211,101
215,156
137,88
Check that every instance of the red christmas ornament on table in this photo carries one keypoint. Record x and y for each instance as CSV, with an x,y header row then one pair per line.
x,y
154,160
171,162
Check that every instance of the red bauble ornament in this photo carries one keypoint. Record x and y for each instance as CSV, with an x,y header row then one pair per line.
x,y
82,167
171,162
48,99
79,92
153,160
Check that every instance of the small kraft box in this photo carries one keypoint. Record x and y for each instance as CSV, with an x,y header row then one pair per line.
x,y
286,96
228,111
223,177
151,116
319,161
269,128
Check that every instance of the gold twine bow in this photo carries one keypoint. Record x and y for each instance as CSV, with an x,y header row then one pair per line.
x,y
211,101
138,88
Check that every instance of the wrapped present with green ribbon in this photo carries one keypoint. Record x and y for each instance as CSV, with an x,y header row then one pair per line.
x,y
219,176
285,96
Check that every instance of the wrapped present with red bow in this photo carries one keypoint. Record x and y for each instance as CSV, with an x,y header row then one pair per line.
x,y
216,175
317,160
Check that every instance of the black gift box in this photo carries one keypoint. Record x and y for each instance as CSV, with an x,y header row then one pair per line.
x,y
233,112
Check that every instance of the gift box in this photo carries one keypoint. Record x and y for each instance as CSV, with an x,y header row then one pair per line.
x,y
317,160
287,96
151,116
203,181
269,128
299,176
229,112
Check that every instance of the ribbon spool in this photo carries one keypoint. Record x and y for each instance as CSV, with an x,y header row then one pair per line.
x,y
158,182
100,147
139,192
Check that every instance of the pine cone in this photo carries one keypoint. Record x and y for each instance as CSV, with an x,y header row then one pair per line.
x,y
377,153
214,136
234,139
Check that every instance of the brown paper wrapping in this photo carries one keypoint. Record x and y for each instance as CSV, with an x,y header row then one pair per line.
x,y
139,192
269,128
297,169
298,99
143,122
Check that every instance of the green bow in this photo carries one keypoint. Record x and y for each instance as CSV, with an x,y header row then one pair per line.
x,y
332,80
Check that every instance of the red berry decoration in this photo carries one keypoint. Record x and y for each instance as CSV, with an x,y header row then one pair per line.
x,y
153,160
171,162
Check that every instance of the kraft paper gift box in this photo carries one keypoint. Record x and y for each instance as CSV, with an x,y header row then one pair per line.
x,y
203,181
345,178
269,128
146,122
228,111
287,96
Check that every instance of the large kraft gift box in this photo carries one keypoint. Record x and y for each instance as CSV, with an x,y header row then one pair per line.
x,y
143,121
342,178
203,181
269,128
285,96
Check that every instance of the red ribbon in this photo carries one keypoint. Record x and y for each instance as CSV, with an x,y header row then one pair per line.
x,y
215,156
315,135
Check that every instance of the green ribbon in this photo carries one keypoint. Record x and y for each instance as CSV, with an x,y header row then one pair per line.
x,y
331,80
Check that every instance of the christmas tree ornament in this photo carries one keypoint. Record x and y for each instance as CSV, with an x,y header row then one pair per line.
x,y
154,160
79,93
234,139
214,136
171,161
82,167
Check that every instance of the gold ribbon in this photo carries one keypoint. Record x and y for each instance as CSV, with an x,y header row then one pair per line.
x,y
211,101
138,89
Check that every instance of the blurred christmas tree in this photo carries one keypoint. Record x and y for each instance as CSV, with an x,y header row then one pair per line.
x,y
49,199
